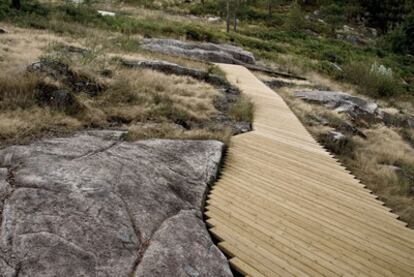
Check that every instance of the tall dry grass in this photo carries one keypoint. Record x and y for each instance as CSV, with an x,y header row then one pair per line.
x,y
130,97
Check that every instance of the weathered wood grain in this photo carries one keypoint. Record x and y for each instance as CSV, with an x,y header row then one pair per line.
x,y
284,206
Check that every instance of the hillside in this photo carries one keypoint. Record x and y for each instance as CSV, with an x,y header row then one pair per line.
x,y
137,83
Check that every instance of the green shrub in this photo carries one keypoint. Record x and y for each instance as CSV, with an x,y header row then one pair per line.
x,y
333,14
374,80
401,38
295,19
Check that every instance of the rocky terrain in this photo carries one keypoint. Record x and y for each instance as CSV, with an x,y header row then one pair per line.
x,y
361,112
108,203
220,53
93,205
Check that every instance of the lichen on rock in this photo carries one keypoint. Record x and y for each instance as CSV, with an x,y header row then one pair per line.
x,y
94,205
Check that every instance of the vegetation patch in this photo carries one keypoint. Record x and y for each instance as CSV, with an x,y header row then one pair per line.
x,y
75,88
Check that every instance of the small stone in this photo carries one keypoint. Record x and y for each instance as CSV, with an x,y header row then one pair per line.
x,y
76,49
373,31
410,122
106,13
337,135
242,127
348,29
3,31
214,19
191,271
336,67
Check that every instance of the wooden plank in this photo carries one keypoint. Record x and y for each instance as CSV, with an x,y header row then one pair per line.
x,y
316,199
344,228
308,232
244,268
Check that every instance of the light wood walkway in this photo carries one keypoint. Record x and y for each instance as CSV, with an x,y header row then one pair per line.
x,y
285,207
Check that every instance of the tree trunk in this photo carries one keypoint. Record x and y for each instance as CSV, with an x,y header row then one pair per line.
x,y
16,4
269,7
228,16
236,7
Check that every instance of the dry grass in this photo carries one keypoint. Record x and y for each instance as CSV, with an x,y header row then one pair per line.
x,y
20,126
145,95
130,99
21,47
172,131
385,162
242,110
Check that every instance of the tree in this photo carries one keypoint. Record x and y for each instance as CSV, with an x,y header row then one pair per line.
x,y
385,14
16,4
295,20
228,16
401,38
269,7
235,14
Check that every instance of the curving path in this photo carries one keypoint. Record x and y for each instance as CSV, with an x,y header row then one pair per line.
x,y
285,207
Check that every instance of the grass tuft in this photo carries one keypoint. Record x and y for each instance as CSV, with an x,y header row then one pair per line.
x,y
242,110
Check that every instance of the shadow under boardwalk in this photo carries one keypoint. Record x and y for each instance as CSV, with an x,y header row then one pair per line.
x,y
285,207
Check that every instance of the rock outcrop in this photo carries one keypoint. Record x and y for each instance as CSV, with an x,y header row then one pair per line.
x,y
356,107
93,205
220,53
59,99
172,68
363,113
61,72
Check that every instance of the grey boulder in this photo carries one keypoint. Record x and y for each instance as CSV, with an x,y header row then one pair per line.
x,y
94,205
356,107
220,53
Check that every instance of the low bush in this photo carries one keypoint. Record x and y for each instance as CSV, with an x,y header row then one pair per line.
x,y
373,80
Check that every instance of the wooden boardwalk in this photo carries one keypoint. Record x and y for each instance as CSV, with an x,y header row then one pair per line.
x,y
285,207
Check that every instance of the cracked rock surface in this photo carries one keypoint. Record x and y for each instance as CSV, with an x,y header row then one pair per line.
x,y
220,53
93,205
